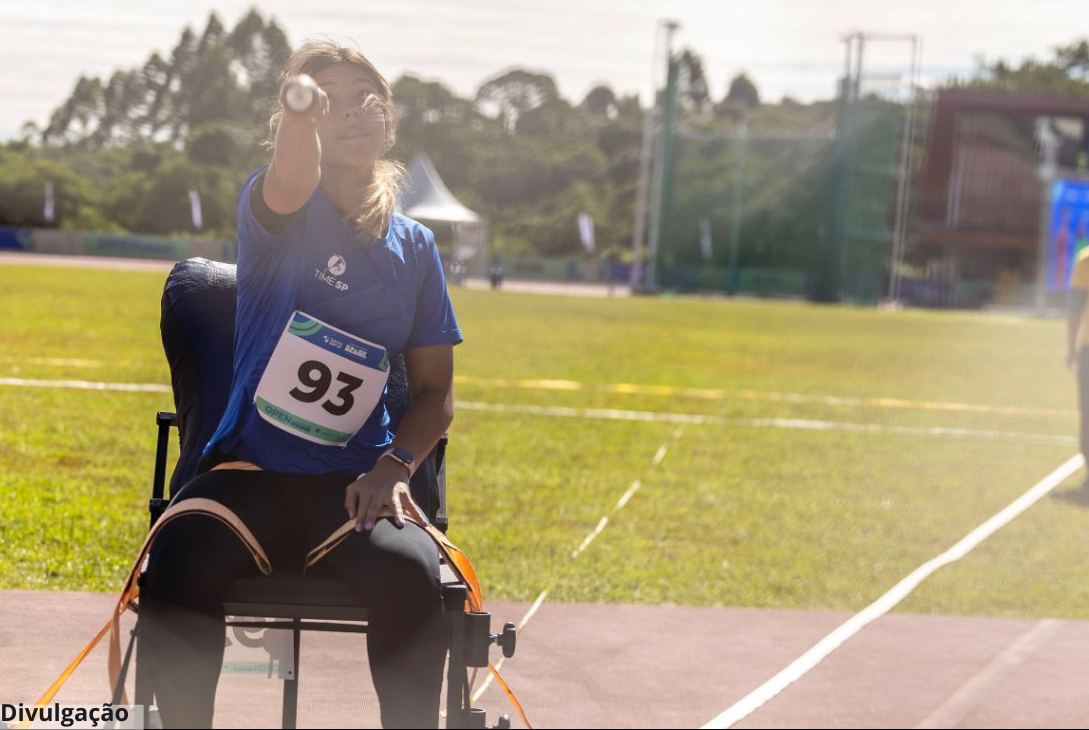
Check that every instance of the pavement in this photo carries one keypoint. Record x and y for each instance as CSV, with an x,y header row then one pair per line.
x,y
594,666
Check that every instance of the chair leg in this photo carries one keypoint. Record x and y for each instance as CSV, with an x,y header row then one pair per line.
x,y
143,694
457,678
290,713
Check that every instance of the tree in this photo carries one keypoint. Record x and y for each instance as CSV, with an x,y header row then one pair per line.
x,y
692,81
553,117
22,197
78,117
258,50
125,149
218,76
516,92
1074,59
1065,75
600,102
742,92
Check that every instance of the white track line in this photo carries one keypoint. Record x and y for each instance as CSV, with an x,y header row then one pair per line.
x,y
661,454
84,262
760,395
613,414
86,385
797,669
788,423
590,538
620,503
951,712
628,494
662,390
75,362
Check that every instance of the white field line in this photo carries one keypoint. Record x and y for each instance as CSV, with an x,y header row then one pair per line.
x,y
822,649
787,423
660,390
620,504
759,395
624,415
76,362
86,385
953,711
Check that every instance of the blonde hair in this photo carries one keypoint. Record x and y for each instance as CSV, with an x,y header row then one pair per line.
x,y
381,196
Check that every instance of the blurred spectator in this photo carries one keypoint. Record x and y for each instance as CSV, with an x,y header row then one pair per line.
x,y
495,272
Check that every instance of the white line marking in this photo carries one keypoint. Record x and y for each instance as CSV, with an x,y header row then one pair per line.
x,y
620,503
951,712
797,669
939,431
788,423
84,262
660,390
621,415
627,495
590,538
74,362
532,609
86,385
661,454
796,398
602,413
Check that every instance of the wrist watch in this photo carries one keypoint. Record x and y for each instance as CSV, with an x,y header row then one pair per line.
x,y
403,457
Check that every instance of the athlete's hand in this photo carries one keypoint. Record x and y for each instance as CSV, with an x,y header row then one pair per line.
x,y
381,492
1072,361
302,99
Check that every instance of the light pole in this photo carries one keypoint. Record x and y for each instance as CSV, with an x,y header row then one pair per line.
x,y
740,140
639,229
657,189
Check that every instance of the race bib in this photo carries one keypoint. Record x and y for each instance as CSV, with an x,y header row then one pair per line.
x,y
321,383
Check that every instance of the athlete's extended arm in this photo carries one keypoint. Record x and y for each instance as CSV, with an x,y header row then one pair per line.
x,y
295,171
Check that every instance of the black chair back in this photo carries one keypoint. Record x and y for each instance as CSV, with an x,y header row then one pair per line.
x,y
197,327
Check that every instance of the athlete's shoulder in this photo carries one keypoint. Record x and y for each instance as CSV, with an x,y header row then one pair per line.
x,y
412,236
410,228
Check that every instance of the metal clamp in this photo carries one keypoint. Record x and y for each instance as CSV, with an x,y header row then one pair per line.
x,y
478,718
478,638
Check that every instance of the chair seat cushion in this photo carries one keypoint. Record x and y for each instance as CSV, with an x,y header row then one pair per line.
x,y
295,589
289,595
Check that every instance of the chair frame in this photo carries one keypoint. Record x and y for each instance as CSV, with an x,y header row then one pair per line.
x,y
333,618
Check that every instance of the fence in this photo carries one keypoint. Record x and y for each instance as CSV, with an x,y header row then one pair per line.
x,y
81,243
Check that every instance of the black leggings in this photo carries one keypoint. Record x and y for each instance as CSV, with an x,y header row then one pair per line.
x,y
194,558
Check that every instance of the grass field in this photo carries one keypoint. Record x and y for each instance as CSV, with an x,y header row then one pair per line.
x,y
817,480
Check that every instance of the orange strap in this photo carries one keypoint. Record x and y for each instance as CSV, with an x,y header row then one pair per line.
x,y
457,562
510,694
131,591
454,557
211,508
239,465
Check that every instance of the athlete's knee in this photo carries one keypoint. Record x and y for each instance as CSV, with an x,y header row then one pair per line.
x,y
405,562
190,560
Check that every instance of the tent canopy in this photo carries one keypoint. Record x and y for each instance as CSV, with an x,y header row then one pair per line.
x,y
427,198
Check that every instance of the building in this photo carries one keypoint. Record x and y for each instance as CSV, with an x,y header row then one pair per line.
x,y
982,194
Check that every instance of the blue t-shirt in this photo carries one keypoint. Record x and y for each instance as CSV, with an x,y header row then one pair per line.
x,y
391,292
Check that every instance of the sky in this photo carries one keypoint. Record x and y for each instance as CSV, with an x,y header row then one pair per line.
x,y
788,47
